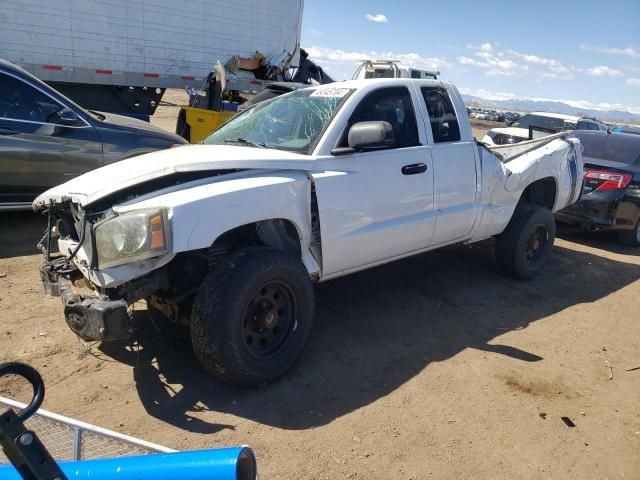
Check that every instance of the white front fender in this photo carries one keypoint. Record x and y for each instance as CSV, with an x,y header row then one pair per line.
x,y
200,214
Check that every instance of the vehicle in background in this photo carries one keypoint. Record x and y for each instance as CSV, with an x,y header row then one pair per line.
x,y
46,139
120,56
590,123
627,129
518,131
540,124
228,237
497,117
611,194
391,69
510,117
494,116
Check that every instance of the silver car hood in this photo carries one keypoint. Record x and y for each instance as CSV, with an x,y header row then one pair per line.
x,y
97,184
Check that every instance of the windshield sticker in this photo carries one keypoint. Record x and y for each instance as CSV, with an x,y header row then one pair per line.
x,y
330,92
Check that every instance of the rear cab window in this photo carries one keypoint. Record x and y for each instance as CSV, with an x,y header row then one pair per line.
x,y
442,115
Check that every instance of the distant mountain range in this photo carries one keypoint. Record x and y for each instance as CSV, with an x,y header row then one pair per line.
x,y
522,105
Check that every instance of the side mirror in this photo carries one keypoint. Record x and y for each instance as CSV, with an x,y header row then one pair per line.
x,y
367,136
371,135
69,117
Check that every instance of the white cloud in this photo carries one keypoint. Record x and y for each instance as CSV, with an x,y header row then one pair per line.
x,y
484,47
634,82
510,63
533,58
329,55
487,94
378,18
559,72
628,51
603,71
498,66
466,61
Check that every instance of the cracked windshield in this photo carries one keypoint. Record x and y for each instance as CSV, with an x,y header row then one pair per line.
x,y
291,122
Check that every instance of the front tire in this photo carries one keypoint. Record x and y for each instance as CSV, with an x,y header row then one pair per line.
x,y
252,316
525,245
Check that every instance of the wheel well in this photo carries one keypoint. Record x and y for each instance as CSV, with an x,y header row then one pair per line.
x,y
187,271
278,233
541,192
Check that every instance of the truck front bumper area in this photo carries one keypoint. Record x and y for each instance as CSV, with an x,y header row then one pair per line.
x,y
91,317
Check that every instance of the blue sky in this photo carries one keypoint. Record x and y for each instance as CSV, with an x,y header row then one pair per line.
x,y
586,53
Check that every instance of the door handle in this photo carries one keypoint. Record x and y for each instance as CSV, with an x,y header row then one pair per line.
x,y
8,131
414,169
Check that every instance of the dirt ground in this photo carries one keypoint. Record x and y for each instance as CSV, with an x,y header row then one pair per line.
x,y
433,367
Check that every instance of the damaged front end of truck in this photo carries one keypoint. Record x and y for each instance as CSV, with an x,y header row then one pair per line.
x,y
100,261
70,260
151,231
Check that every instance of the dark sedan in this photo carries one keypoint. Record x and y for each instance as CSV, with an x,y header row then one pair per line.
x,y
611,193
46,139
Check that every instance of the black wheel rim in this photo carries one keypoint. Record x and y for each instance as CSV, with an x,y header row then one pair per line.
x,y
536,245
269,320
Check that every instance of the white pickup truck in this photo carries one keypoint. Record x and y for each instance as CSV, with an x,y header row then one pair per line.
x,y
228,237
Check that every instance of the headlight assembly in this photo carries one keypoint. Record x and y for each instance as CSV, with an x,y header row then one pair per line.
x,y
132,236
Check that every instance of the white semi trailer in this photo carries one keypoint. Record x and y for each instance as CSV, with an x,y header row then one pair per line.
x,y
120,55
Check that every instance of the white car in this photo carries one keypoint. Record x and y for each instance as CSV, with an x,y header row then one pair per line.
x,y
543,123
228,237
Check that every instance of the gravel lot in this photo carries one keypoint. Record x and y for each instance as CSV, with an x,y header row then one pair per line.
x,y
433,367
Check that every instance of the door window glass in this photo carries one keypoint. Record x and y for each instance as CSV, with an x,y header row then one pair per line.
x,y
21,101
444,123
391,105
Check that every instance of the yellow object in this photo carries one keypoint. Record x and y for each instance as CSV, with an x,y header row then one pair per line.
x,y
202,121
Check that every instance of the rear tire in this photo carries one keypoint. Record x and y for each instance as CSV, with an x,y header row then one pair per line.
x,y
630,238
525,245
252,316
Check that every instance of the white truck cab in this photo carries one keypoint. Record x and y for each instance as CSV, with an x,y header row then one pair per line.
x,y
228,237
369,69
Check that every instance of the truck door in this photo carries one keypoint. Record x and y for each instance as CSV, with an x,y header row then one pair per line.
x,y
454,166
37,149
377,205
